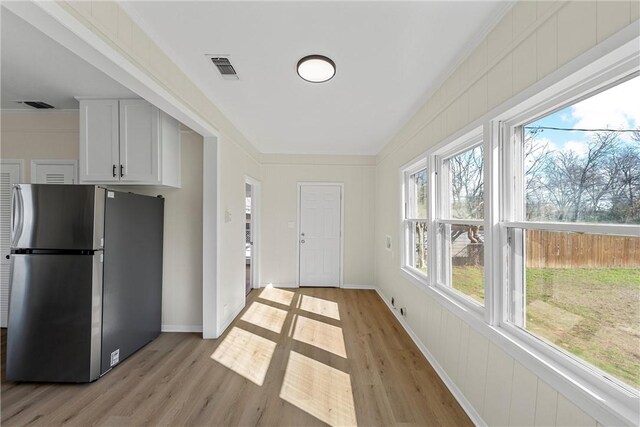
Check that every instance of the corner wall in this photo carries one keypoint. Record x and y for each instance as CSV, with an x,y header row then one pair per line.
x,y
234,163
530,42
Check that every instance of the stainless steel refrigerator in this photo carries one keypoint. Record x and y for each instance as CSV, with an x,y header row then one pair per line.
x,y
86,280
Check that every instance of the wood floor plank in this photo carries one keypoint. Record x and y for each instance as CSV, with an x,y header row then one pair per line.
x,y
334,355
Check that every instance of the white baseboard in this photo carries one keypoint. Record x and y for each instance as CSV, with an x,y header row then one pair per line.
x,y
181,328
294,286
231,318
281,285
453,388
348,286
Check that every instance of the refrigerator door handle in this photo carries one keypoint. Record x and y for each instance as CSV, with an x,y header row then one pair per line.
x,y
17,216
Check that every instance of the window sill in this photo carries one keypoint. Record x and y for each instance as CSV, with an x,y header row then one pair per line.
x,y
417,277
469,312
615,404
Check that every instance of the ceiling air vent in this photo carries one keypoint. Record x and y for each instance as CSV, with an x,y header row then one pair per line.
x,y
40,105
224,67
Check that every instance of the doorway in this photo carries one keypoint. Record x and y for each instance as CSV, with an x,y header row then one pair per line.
x,y
248,237
320,219
251,233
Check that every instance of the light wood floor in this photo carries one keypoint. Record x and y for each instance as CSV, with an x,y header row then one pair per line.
x,y
299,358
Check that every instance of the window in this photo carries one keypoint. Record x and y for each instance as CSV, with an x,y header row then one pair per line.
x,y
459,222
573,230
533,225
415,218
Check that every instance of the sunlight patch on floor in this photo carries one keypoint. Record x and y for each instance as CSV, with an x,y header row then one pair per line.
x,y
320,334
319,390
277,295
246,354
320,306
265,316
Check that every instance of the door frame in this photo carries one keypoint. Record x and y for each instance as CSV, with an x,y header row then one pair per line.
x,y
255,230
341,257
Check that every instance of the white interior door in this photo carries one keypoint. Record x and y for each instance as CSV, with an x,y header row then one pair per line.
x,y
9,175
320,235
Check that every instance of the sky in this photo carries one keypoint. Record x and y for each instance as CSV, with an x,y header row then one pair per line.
x,y
615,108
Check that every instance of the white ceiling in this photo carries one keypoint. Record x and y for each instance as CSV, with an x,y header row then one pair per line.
x,y
34,67
388,56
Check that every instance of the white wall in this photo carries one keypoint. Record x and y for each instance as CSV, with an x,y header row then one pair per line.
x,y
234,162
280,177
182,268
530,42
37,135
55,135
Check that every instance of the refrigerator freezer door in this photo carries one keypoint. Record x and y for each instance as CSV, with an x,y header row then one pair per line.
x,y
67,217
54,318
132,275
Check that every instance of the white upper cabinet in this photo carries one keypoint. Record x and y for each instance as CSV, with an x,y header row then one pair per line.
x,y
128,141
139,142
99,141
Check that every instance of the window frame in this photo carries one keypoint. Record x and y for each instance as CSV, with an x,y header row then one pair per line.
x,y
442,218
507,133
407,222
603,399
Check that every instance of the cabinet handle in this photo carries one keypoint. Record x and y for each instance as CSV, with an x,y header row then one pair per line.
x,y
121,171
114,171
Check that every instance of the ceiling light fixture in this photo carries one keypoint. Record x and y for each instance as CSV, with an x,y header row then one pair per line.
x,y
316,68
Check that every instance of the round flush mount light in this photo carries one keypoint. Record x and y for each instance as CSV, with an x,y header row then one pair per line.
x,y
316,68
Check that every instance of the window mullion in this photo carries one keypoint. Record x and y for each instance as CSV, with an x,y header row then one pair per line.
x,y
492,265
432,214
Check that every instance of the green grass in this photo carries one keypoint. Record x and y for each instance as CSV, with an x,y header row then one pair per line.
x,y
593,313
470,281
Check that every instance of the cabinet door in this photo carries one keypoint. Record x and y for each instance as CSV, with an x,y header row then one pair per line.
x,y
139,143
99,146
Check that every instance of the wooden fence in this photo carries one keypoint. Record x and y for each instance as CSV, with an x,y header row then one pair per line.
x,y
572,250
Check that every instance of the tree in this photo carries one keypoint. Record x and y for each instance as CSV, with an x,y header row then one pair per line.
x,y
624,172
467,184
536,156
419,187
603,184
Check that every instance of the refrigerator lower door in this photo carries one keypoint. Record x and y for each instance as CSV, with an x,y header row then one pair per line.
x,y
54,318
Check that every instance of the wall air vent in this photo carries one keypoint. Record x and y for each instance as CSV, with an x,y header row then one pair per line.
x,y
40,105
224,67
